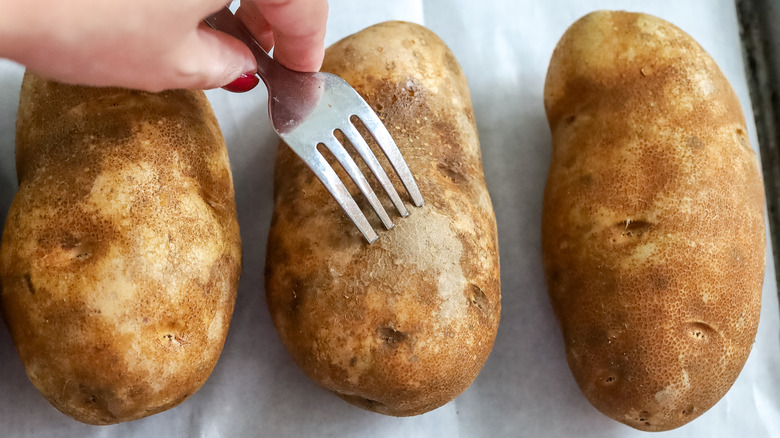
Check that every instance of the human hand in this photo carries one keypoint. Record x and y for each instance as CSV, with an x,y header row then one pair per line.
x,y
155,45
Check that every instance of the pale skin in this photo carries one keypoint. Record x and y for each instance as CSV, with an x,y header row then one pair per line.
x,y
154,45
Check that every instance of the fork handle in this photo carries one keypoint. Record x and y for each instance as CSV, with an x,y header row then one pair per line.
x,y
225,21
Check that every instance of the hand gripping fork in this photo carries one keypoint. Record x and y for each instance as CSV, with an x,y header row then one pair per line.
x,y
306,109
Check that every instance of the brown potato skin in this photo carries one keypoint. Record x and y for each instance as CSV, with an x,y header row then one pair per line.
x,y
121,252
653,220
403,325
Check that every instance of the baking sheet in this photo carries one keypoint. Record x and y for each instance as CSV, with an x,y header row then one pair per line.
x,y
761,45
525,388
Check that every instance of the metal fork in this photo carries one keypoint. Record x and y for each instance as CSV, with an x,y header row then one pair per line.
x,y
307,108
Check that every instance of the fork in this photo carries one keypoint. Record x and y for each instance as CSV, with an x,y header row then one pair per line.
x,y
307,108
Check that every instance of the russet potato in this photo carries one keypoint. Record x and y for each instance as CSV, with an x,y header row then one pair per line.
x,y
121,252
403,325
653,220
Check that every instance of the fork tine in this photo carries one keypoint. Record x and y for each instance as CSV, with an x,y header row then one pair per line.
x,y
360,144
328,176
388,146
354,172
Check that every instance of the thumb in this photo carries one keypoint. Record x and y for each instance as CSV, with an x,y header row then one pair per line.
x,y
211,59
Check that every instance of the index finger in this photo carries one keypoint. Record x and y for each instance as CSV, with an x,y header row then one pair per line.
x,y
298,28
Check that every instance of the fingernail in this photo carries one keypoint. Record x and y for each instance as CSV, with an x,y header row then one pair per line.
x,y
243,83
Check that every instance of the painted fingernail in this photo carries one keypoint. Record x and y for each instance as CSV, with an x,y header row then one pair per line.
x,y
243,83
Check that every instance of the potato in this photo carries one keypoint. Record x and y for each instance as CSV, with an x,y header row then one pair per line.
x,y
121,252
653,220
403,325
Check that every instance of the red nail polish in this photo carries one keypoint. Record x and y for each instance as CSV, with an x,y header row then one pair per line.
x,y
243,83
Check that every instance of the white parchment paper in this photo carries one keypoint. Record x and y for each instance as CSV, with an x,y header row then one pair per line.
x,y
525,388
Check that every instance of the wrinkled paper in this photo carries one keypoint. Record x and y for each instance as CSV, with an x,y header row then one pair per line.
x,y
525,388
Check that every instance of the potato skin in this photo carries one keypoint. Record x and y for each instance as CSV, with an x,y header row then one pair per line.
x,y
121,252
653,220
403,325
